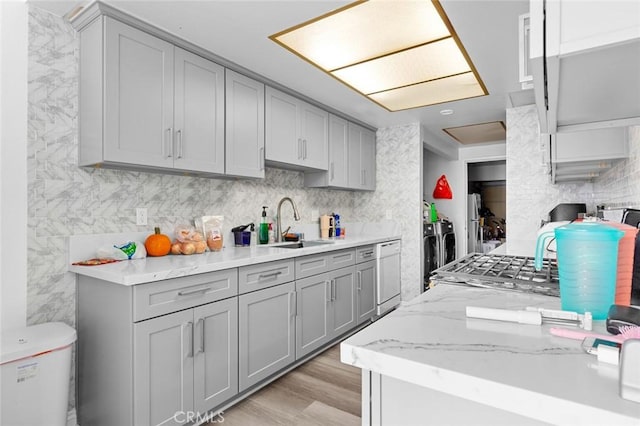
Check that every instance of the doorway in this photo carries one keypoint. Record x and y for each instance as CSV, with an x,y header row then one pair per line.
x,y
486,205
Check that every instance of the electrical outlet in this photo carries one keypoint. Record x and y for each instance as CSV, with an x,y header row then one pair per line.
x,y
389,214
141,216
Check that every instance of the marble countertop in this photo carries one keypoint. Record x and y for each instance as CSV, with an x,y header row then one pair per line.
x,y
139,271
518,368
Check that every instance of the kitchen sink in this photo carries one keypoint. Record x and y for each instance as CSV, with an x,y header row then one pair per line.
x,y
299,244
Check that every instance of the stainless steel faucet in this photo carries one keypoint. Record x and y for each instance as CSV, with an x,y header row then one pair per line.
x,y
296,216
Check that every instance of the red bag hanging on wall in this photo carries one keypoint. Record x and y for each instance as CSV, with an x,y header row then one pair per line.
x,y
442,189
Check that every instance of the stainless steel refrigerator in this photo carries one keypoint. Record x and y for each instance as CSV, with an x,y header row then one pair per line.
x,y
474,232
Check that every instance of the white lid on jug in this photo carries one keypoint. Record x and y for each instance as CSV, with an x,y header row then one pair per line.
x,y
24,342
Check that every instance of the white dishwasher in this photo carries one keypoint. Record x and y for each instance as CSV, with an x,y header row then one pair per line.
x,y
387,276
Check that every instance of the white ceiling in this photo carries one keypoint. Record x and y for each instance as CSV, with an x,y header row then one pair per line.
x,y
239,30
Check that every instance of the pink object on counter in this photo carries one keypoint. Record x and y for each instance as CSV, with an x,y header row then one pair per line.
x,y
627,333
626,248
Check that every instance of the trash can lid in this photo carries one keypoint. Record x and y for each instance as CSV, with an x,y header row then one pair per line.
x,y
24,342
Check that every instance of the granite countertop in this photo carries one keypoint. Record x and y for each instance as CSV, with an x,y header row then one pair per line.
x,y
139,271
519,368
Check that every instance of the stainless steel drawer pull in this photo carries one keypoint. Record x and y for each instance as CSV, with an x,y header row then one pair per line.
x,y
272,274
367,254
179,132
201,325
194,291
189,334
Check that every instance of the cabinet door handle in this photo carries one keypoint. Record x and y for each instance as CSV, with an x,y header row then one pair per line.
x,y
201,326
333,290
333,175
359,280
179,143
261,158
194,291
189,334
272,274
327,291
168,153
293,305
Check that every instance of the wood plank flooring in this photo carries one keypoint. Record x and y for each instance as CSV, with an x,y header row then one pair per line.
x,y
323,391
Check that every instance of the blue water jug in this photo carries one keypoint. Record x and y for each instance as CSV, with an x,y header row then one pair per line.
x,y
587,254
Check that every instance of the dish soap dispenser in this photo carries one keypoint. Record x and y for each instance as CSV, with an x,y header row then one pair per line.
x,y
263,232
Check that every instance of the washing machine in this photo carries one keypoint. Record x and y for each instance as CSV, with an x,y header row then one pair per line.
x,y
446,242
430,261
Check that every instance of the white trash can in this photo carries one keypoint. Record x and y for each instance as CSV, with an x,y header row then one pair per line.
x,y
35,365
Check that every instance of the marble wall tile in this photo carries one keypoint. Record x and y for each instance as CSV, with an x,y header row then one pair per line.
x,y
620,186
530,194
399,189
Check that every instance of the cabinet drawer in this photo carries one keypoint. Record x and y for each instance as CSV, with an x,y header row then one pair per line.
x,y
341,259
263,275
307,266
365,254
163,297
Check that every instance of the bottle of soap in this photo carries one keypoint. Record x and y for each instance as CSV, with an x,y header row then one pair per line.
x,y
264,227
434,213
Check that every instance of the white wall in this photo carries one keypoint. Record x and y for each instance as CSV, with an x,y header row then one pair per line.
x,y
13,164
456,172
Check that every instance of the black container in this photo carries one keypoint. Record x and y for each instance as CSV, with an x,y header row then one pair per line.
x,y
566,211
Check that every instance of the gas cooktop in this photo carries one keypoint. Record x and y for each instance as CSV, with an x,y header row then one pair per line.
x,y
501,271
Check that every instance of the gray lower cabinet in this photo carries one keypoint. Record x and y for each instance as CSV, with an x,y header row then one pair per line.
x,y
149,352
326,308
266,330
185,362
366,290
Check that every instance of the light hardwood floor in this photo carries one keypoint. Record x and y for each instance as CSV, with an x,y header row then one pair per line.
x,y
323,391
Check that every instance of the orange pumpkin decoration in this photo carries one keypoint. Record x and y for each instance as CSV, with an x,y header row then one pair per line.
x,y
157,244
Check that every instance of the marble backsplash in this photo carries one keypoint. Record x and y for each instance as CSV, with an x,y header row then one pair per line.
x,y
530,194
620,186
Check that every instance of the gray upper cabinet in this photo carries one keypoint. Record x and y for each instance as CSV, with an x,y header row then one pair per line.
x,y
198,135
244,126
337,175
266,333
296,133
138,97
362,158
158,107
352,158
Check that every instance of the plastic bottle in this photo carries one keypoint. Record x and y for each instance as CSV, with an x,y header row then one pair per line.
x,y
336,222
264,227
434,213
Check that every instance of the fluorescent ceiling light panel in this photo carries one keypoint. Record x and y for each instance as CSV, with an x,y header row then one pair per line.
x,y
478,133
400,54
